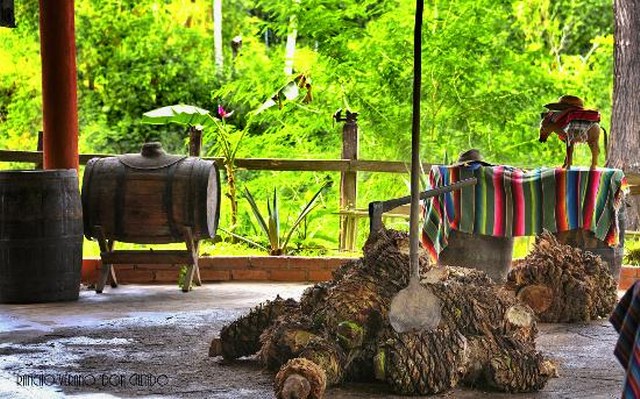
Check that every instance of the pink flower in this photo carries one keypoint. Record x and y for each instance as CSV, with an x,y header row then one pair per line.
x,y
222,114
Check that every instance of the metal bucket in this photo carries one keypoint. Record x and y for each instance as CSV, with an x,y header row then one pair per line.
x,y
587,241
493,255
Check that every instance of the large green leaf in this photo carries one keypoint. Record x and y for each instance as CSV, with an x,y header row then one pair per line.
x,y
274,222
256,211
181,114
305,211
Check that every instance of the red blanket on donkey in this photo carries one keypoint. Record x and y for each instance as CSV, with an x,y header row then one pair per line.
x,y
578,115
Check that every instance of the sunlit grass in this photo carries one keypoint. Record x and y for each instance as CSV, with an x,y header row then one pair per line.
x,y
208,248
522,246
632,250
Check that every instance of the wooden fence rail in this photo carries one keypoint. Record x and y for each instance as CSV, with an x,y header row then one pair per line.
x,y
276,164
349,215
279,164
309,165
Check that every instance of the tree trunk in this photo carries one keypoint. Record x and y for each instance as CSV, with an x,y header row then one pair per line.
x,y
290,48
624,147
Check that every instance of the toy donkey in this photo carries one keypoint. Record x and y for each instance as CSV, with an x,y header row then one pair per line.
x,y
573,124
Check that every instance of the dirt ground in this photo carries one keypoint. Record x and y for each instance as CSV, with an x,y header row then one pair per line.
x,y
152,341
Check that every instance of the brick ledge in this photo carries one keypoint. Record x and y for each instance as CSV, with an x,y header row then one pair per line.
x,y
225,268
255,268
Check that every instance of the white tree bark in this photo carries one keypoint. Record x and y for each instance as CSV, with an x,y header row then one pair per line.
x,y
217,35
290,49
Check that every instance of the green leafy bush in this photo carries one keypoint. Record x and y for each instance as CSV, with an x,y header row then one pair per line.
x,y
487,69
271,226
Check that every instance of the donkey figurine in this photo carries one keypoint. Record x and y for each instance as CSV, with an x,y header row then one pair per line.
x,y
573,124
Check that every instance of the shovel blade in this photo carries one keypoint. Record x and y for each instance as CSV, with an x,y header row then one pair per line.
x,y
415,308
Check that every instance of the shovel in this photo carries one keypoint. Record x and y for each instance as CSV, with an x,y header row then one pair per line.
x,y
415,307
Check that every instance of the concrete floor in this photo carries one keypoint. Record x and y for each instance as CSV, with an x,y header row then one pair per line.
x,y
152,341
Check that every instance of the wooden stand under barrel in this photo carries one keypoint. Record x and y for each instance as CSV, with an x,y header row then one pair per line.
x,y
150,198
110,258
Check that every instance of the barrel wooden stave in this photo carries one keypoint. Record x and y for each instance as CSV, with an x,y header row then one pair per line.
x,y
151,206
40,236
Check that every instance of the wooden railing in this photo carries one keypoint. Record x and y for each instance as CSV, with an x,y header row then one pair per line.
x,y
349,214
349,167
281,164
278,164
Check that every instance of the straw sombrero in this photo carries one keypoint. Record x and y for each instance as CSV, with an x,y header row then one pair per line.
x,y
470,156
565,102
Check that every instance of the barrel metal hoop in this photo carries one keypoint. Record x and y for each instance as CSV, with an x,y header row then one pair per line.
x,y
200,195
85,198
211,171
60,240
167,201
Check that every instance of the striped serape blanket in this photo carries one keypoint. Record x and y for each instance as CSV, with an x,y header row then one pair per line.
x,y
509,202
626,320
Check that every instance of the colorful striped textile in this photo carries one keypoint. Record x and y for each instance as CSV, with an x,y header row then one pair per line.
x,y
625,319
509,202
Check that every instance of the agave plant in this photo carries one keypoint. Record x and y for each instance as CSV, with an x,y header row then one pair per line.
x,y
270,225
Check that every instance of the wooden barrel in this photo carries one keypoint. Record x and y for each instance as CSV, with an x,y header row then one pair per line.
x,y
149,198
40,236
587,241
493,255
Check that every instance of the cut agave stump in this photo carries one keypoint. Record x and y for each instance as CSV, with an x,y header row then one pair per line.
x,y
562,283
148,198
492,255
40,236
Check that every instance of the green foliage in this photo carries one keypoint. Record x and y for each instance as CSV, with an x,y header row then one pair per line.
x,y
632,250
632,257
270,225
132,57
488,67
182,276
20,83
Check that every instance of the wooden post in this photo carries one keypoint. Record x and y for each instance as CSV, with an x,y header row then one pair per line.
x,y
39,149
195,141
59,95
348,180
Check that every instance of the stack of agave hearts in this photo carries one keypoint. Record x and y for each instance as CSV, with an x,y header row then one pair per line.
x,y
339,331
